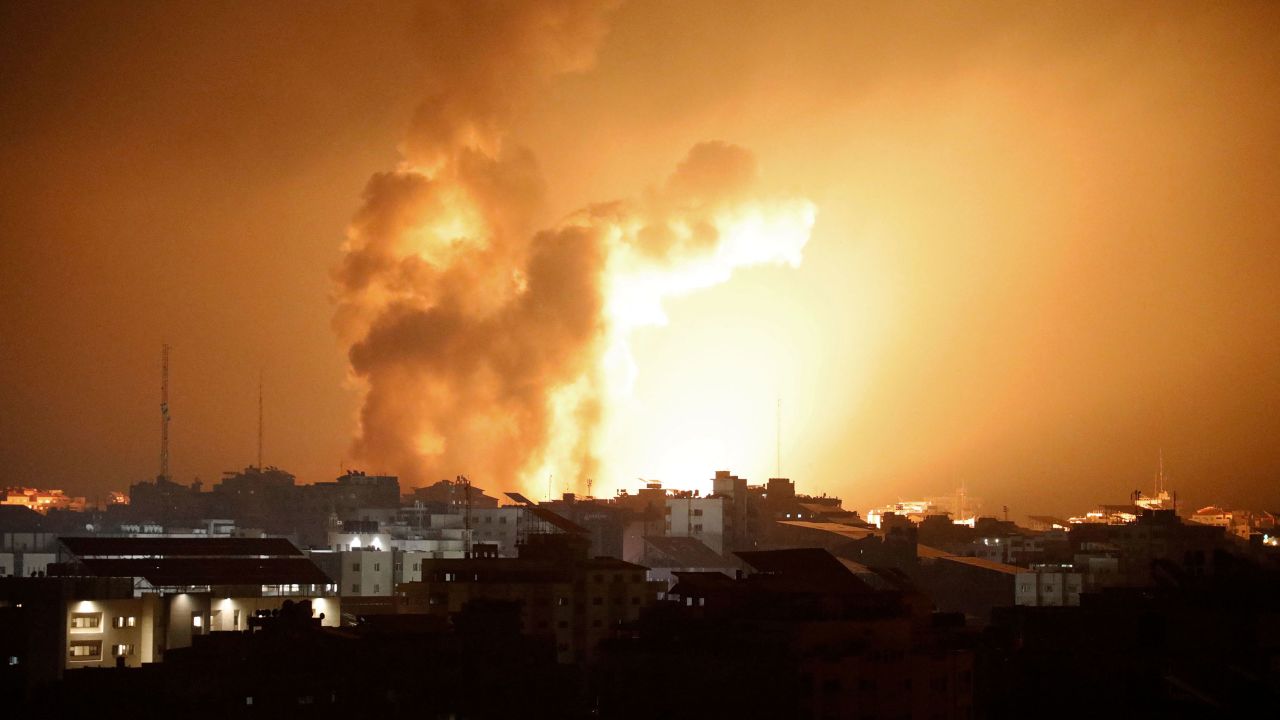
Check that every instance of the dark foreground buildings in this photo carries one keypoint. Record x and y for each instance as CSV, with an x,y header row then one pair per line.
x,y
443,608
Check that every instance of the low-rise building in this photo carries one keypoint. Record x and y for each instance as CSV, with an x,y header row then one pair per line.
x,y
126,601
701,518
563,593
1049,586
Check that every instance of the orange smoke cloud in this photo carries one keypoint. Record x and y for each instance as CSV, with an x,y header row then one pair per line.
x,y
480,345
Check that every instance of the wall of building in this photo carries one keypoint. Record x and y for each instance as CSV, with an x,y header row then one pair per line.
x,y
1048,589
36,562
499,526
140,630
367,573
118,627
701,518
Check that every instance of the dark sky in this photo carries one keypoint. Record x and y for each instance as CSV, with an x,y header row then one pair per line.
x,y
1047,247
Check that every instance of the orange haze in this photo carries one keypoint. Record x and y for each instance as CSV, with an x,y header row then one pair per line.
x,y
1047,239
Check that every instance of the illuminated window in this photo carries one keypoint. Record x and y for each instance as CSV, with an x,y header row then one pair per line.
x,y
122,650
118,622
197,620
86,622
85,650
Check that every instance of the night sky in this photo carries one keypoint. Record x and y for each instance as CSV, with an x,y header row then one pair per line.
x,y
509,241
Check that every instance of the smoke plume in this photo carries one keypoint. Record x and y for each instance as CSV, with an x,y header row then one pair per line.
x,y
483,345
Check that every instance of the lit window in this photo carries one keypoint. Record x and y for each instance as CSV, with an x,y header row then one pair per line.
x,y
83,650
131,621
86,622
197,620
122,650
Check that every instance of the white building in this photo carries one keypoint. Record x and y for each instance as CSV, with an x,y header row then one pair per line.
x,y
366,573
497,526
1048,586
697,517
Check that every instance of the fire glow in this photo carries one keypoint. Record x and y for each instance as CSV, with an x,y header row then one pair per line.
x,y
481,344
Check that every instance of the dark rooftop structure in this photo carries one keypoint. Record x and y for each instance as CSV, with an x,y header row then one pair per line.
x,y
185,562
682,552
86,547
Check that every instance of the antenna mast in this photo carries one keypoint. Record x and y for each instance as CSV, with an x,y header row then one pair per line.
x,y
1160,475
164,411
259,419
466,518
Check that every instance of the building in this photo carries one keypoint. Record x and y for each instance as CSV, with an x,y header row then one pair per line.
x,y
127,601
1048,586
41,501
27,542
666,556
701,518
561,592
801,635
454,496
358,573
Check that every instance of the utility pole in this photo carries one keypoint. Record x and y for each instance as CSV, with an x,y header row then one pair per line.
x,y
164,411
